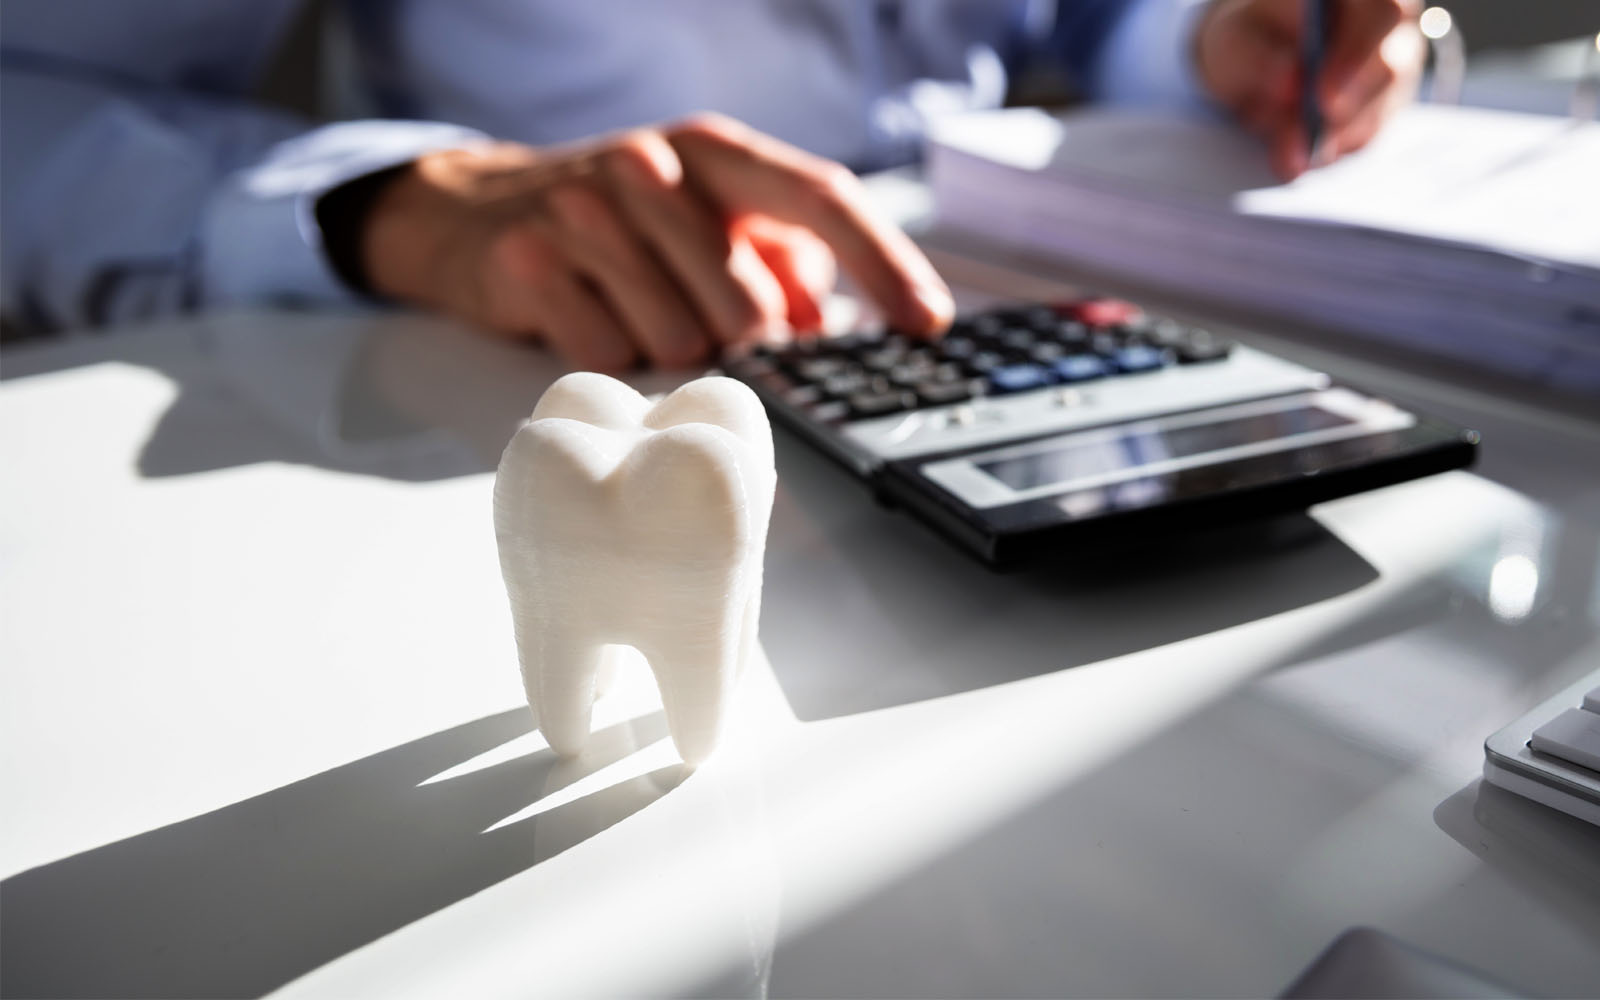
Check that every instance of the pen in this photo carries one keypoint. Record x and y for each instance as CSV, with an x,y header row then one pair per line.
x,y
1311,47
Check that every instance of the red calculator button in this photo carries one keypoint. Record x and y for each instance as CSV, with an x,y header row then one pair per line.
x,y
1101,312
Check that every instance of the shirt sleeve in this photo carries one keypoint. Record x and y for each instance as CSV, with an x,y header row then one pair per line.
x,y
1147,57
258,236
128,199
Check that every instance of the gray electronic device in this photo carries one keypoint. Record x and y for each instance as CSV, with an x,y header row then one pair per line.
x,y
1513,762
1032,430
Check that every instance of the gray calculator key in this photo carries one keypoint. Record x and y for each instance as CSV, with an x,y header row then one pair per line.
x,y
1574,736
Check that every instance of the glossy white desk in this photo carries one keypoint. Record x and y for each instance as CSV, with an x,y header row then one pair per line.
x,y
262,726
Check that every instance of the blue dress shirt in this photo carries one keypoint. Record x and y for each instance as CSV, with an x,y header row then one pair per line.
x,y
139,180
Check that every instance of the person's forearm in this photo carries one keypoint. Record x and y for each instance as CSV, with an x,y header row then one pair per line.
x,y
125,205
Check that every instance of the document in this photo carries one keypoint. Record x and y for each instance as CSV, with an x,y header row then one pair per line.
x,y
1467,231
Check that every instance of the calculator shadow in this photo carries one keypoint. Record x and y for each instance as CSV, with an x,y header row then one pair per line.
x,y
1548,853
239,901
909,617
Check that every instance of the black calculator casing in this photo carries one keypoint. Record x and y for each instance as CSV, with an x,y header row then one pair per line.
x,y
1126,463
1032,532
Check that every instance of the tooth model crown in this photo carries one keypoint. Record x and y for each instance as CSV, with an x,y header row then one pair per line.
x,y
622,522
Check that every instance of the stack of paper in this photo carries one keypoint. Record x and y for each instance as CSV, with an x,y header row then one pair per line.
x,y
1471,232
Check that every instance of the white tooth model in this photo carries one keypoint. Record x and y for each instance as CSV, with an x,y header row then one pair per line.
x,y
622,522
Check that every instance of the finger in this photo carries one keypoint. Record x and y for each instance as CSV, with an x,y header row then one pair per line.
x,y
1358,29
1356,133
724,277
1286,147
1391,70
1257,67
658,319
746,172
802,264
530,281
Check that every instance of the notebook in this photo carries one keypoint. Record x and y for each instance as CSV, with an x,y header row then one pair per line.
x,y
1462,231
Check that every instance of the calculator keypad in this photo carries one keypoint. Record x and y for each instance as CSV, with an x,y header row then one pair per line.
x,y
992,353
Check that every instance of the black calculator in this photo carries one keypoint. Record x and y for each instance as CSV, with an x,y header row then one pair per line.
x,y
1028,432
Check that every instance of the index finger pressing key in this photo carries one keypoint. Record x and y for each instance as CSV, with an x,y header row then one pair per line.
x,y
745,171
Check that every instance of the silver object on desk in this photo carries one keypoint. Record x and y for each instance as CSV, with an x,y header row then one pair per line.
x,y
1537,756
1449,51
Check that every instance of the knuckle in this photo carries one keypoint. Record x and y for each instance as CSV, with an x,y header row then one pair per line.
x,y
642,158
522,252
578,205
708,124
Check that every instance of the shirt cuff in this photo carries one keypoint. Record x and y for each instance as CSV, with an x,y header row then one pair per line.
x,y
259,240
1148,59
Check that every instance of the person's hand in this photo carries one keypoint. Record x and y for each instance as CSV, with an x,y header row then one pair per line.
x,y
658,244
1248,55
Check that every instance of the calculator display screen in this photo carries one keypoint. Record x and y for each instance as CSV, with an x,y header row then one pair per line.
x,y
1141,445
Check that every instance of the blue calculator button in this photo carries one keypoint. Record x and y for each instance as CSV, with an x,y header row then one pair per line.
x,y
1139,358
1018,378
1078,367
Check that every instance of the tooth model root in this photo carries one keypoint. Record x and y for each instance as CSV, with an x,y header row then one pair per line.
x,y
619,522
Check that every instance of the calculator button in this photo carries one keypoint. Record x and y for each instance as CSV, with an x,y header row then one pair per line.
x,y
1105,344
1102,312
803,395
956,348
1040,319
985,326
876,404
1165,332
1139,358
1199,346
1071,333
943,393
777,383
817,369
984,362
830,412
1574,736
845,384
1019,378
882,359
1080,367
908,376
1046,352
1017,339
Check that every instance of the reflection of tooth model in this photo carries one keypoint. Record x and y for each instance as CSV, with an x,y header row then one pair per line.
x,y
623,522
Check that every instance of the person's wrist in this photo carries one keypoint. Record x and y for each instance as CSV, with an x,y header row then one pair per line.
x,y
341,215
402,233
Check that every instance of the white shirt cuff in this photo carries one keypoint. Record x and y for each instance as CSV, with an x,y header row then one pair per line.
x,y
260,241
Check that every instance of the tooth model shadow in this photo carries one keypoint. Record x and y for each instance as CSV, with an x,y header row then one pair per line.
x,y
242,900
624,523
